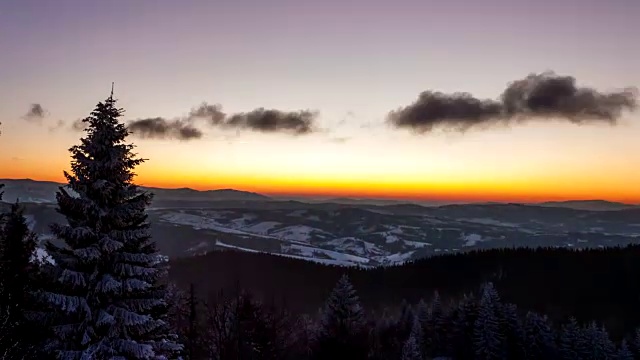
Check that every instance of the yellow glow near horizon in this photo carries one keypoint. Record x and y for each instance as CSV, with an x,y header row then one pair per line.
x,y
519,164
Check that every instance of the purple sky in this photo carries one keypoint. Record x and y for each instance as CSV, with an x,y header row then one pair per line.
x,y
362,58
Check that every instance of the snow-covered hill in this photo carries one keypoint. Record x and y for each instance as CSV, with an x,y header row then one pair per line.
x,y
347,235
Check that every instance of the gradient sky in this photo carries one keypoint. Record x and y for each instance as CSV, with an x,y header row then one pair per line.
x,y
352,60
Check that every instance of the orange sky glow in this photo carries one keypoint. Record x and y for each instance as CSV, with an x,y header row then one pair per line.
x,y
372,60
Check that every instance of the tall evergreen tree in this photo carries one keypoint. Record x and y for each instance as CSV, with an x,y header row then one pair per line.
x,y
18,277
106,298
407,314
623,352
411,349
489,339
513,331
461,335
342,330
599,345
539,337
571,345
435,330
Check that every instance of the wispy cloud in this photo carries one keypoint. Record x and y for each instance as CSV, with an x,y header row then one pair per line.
x,y
35,113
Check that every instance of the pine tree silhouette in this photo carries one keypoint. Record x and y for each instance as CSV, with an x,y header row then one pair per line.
x,y
18,277
341,332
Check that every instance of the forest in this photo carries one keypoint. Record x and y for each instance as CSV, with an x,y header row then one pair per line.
x,y
106,292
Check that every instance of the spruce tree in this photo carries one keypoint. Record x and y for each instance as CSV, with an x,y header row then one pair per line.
x,y
18,276
489,341
623,352
406,318
571,341
342,329
599,344
539,337
106,298
435,330
513,331
422,318
461,335
635,344
411,349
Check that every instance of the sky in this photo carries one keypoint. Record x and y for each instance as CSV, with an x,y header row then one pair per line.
x,y
338,74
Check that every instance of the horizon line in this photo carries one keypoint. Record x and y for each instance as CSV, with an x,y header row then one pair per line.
x,y
328,197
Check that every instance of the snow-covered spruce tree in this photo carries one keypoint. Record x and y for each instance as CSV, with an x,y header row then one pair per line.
x,y
422,318
461,338
107,302
436,329
385,343
405,319
513,331
342,332
623,352
412,350
600,345
417,333
539,337
489,341
635,344
571,341
18,284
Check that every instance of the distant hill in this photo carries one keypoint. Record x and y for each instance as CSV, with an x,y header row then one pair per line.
x,y
34,191
593,205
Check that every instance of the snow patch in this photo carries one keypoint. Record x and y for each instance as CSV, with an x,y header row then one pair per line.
x,y
262,228
301,233
200,222
417,244
399,257
471,239
41,255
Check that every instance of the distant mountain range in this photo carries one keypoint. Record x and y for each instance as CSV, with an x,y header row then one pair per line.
x,y
594,205
35,191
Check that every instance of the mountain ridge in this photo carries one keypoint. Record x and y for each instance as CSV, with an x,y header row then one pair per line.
x,y
43,191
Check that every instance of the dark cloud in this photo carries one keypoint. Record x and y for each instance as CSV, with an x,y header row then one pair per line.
x,y
549,95
213,113
538,96
36,112
263,120
161,128
458,111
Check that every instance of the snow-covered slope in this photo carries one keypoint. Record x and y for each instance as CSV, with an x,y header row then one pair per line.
x,y
368,235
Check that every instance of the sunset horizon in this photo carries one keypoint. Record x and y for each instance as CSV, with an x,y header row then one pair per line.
x,y
354,110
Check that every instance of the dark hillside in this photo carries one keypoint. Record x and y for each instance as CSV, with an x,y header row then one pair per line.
x,y
600,284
